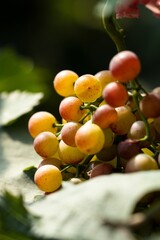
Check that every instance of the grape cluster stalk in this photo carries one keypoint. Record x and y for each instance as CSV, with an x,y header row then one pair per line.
x,y
109,123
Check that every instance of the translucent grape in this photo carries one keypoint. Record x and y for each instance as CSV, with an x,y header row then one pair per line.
x,y
141,162
104,116
48,178
70,109
150,105
87,88
125,66
64,83
53,161
105,77
70,155
124,121
68,133
90,138
46,144
40,122
115,94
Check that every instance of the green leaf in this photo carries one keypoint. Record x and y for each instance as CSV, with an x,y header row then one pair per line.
x,y
79,212
15,104
17,72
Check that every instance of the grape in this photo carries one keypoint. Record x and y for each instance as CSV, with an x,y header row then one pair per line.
x,y
156,124
105,77
52,161
141,162
48,178
87,88
70,155
90,138
64,83
115,94
104,116
101,169
150,105
125,120
137,130
70,110
125,66
128,148
40,122
109,137
68,133
107,154
45,144
156,91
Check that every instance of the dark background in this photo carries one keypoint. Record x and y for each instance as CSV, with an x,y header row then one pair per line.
x,y
67,34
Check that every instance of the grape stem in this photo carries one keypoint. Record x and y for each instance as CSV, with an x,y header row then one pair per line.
x,y
112,28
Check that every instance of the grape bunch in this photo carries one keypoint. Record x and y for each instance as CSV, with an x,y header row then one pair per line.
x,y
109,123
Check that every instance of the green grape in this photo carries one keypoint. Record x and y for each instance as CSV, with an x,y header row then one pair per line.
x,y
90,138
40,122
46,144
124,121
70,109
70,155
64,83
141,162
87,88
48,178
68,133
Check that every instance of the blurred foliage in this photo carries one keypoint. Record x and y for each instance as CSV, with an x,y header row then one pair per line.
x,y
40,38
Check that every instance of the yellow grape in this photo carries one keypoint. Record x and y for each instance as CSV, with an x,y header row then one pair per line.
x,y
105,77
87,88
141,162
46,144
64,83
40,122
68,154
48,178
90,138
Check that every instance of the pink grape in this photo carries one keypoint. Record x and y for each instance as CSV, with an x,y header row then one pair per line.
x,y
125,66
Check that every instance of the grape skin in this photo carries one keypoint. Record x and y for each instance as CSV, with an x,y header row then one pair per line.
x,y
68,154
125,66
87,88
101,169
150,105
46,144
105,77
70,109
90,138
141,162
64,82
48,178
104,116
115,94
125,119
40,122
68,133
52,161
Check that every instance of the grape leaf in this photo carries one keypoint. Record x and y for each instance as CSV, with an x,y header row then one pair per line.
x,y
79,212
15,104
17,154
